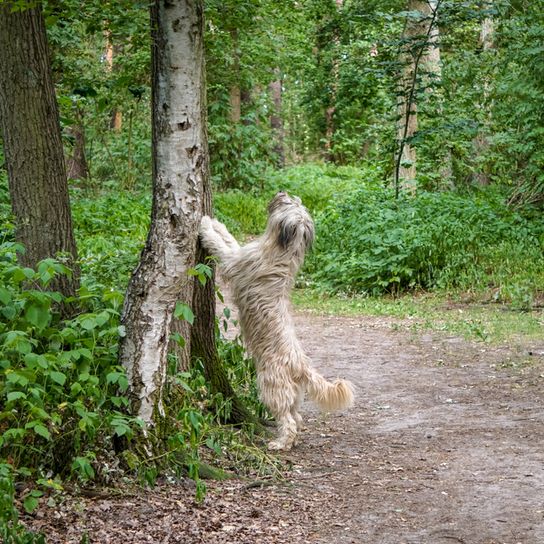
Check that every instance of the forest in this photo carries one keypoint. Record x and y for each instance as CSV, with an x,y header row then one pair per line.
x,y
413,133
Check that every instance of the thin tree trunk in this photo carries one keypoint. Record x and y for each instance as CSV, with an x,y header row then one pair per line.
x,y
276,119
481,142
331,109
432,69
179,173
235,93
76,164
418,35
116,122
32,143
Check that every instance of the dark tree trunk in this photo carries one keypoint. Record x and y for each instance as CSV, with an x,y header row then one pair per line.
x,y
76,163
32,143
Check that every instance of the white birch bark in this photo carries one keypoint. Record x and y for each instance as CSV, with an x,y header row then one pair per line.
x,y
481,143
416,30
180,158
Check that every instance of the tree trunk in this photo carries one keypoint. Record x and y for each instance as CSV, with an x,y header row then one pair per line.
x,y
331,109
420,47
116,121
481,142
32,143
432,71
276,119
179,173
235,93
76,164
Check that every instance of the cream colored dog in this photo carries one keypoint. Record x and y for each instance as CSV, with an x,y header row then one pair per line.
x,y
261,275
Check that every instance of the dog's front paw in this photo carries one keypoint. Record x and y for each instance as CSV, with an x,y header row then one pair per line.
x,y
206,223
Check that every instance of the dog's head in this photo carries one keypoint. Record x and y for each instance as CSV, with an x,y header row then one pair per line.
x,y
290,223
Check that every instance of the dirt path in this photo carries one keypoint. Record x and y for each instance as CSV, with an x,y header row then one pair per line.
x,y
445,444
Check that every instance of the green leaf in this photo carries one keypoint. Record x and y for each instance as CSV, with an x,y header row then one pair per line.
x,y
75,388
5,296
29,273
89,323
14,395
9,312
38,315
58,377
176,337
183,311
30,503
42,431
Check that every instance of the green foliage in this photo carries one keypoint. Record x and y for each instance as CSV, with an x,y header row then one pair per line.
x,y
373,243
111,230
11,531
62,390
319,184
242,212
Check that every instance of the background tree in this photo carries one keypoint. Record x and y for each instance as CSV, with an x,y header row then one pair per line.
x,y
32,143
419,54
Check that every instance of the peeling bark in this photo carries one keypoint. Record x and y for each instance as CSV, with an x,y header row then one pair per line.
x,y
179,171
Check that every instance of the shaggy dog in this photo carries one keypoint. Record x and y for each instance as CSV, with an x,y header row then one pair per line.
x,y
261,275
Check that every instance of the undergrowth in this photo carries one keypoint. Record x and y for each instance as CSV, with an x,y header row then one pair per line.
x,y
372,243
64,413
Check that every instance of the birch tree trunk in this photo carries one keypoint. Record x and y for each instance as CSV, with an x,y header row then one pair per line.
x,y
432,69
276,119
179,171
331,109
420,49
29,121
481,142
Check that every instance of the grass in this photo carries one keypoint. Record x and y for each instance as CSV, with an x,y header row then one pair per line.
x,y
491,323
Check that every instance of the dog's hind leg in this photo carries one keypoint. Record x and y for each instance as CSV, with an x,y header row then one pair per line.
x,y
295,407
287,432
279,395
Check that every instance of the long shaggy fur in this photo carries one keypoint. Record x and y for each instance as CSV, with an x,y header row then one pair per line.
x,y
261,275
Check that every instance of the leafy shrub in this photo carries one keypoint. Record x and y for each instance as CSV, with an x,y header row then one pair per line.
x,y
11,531
61,387
111,231
318,184
242,213
373,243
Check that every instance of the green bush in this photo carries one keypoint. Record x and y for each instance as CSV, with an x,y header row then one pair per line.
x,y
242,213
111,231
318,184
11,531
60,385
372,243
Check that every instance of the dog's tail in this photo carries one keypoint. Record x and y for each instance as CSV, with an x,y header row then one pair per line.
x,y
327,395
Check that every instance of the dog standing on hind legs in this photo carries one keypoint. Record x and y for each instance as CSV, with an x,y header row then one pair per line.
x,y
261,275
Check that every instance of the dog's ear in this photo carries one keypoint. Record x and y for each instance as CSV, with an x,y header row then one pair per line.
x,y
309,235
287,234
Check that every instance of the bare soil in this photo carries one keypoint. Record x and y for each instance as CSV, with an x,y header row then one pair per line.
x,y
445,444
